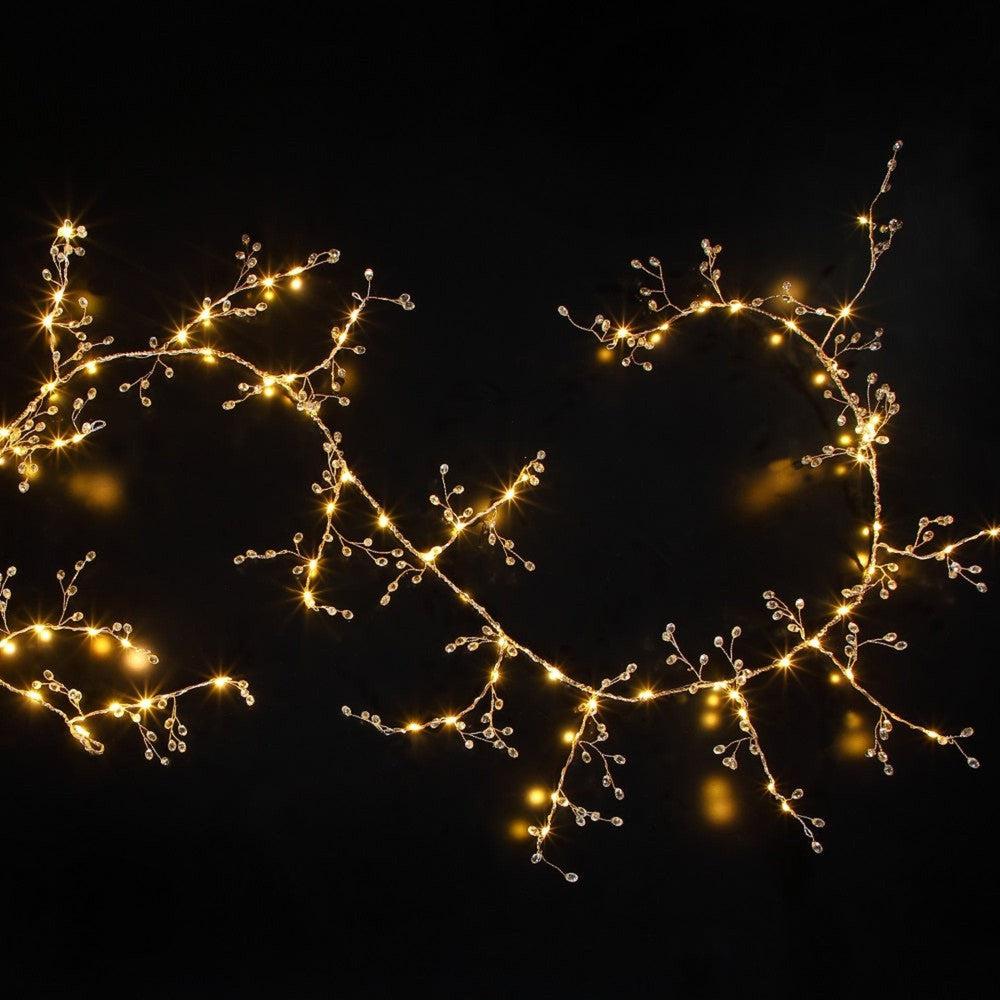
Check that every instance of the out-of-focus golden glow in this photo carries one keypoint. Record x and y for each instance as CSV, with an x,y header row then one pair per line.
x,y
718,803
710,720
536,796
136,659
518,829
100,644
854,738
777,483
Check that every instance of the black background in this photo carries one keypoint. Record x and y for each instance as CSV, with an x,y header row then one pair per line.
x,y
495,162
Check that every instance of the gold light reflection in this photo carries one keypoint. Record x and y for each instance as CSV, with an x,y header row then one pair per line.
x,y
718,803
536,796
518,829
99,490
854,738
135,659
101,645
773,485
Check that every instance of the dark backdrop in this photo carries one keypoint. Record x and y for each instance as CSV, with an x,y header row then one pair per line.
x,y
495,162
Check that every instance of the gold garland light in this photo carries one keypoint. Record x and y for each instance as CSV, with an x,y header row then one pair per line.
x,y
863,419
27,439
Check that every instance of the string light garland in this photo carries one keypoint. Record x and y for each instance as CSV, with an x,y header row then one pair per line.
x,y
27,439
826,334
867,416
146,712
